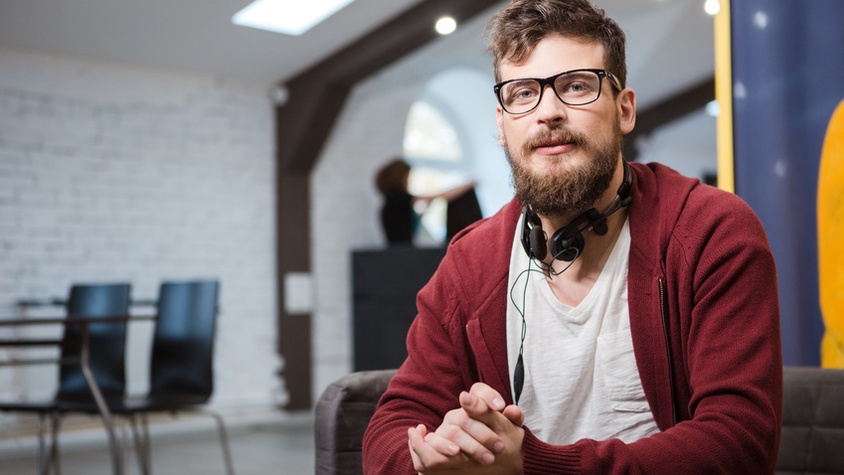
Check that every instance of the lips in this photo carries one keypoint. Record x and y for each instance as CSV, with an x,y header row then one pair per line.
x,y
554,148
553,143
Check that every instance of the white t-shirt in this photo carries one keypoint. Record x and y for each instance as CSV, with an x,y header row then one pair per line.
x,y
581,379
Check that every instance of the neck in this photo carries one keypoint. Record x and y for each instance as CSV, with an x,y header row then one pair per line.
x,y
597,249
573,285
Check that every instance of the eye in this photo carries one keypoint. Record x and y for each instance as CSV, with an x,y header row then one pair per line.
x,y
576,85
521,91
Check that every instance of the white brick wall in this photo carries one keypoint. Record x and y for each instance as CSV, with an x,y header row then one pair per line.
x,y
112,173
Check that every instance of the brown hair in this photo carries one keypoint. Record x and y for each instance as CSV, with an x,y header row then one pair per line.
x,y
517,29
392,177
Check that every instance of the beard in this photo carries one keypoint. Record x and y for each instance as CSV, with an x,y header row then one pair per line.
x,y
565,192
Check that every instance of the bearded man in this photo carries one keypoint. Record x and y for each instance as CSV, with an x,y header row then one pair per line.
x,y
613,318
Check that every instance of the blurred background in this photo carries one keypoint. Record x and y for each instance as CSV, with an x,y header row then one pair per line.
x,y
147,141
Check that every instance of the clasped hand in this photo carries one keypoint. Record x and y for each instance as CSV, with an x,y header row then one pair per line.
x,y
481,436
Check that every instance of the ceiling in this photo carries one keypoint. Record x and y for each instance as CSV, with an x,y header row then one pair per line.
x,y
670,42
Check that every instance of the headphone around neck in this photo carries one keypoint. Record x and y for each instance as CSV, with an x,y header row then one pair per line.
x,y
567,242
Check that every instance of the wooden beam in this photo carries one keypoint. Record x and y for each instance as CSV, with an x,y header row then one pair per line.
x,y
316,98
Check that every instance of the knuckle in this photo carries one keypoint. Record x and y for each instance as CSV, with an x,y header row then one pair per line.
x,y
450,431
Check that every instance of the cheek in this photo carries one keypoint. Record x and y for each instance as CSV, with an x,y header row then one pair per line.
x,y
502,139
512,134
499,122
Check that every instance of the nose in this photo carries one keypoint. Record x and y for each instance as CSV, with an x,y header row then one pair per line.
x,y
550,107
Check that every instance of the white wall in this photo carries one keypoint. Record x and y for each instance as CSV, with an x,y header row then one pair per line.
x,y
112,173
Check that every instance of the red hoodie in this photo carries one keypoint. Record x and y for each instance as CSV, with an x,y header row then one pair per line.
x,y
704,317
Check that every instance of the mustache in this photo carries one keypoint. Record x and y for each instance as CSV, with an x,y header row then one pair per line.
x,y
555,136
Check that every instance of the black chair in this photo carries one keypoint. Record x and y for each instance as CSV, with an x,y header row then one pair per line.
x,y
181,371
86,346
107,342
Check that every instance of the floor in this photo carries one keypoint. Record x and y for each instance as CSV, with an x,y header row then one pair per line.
x,y
280,444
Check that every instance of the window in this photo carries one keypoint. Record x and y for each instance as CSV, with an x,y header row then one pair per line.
x,y
433,149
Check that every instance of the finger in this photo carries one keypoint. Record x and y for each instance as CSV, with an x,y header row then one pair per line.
x,y
424,456
514,414
473,405
473,438
416,436
490,396
478,409
469,449
414,439
417,464
442,445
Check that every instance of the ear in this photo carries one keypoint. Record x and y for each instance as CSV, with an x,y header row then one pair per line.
x,y
626,104
499,119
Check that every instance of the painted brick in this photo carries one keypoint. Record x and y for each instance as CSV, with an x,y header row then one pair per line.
x,y
112,173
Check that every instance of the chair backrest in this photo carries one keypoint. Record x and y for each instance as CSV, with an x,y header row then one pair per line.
x,y
812,421
181,370
107,342
342,414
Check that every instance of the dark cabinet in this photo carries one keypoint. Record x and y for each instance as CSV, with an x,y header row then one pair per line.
x,y
385,284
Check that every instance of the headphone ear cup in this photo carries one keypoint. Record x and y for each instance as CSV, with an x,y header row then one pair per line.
x,y
538,246
567,248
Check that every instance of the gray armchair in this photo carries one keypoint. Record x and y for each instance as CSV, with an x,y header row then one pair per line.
x,y
812,422
812,434
342,414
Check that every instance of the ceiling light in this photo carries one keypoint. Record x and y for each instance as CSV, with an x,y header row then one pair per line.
x,y
712,7
290,17
713,108
446,25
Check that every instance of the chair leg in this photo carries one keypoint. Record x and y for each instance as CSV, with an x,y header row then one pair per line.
x,y
41,455
142,449
125,428
53,461
224,441
147,445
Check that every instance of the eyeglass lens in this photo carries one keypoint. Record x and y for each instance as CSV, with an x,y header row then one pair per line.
x,y
573,88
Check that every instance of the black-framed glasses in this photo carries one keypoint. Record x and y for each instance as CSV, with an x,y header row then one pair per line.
x,y
576,88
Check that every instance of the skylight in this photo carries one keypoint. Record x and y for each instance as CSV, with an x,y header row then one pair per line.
x,y
290,17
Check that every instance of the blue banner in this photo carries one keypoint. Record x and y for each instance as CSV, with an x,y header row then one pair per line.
x,y
788,77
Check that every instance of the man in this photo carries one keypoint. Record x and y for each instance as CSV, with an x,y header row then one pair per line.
x,y
614,318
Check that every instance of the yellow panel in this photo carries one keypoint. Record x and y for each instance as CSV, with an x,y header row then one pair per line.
x,y
724,96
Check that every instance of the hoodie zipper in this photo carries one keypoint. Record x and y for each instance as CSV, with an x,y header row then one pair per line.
x,y
663,298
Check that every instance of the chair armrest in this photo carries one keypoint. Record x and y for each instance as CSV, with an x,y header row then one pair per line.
x,y
812,421
341,416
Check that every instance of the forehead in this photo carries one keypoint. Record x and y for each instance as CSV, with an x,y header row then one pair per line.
x,y
555,54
